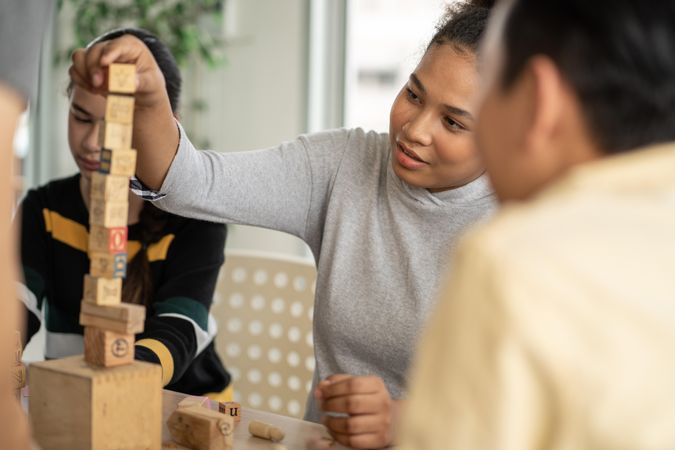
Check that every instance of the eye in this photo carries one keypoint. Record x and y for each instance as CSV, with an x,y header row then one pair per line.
x,y
411,95
81,119
452,124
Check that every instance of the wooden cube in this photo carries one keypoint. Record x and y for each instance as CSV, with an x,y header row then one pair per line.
x,y
74,406
108,265
113,135
108,214
107,240
109,187
118,162
102,291
124,318
105,348
232,409
119,109
201,429
19,376
122,78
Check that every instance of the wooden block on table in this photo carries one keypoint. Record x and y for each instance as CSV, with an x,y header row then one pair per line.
x,y
19,376
107,240
195,401
75,406
118,162
102,291
108,265
232,409
119,109
105,348
122,78
108,214
124,318
266,431
201,429
113,135
109,187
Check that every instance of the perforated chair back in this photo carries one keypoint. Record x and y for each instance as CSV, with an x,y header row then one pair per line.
x,y
264,305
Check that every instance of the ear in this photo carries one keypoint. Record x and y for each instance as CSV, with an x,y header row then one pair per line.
x,y
547,102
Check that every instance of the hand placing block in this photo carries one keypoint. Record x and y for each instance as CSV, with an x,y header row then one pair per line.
x,y
118,162
108,265
108,214
232,409
106,348
102,291
119,109
201,429
113,135
109,187
124,318
107,240
122,78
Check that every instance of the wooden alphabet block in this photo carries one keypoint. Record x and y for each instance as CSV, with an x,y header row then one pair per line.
x,y
119,109
194,401
107,240
108,265
102,291
74,406
232,409
122,78
118,162
108,214
124,318
106,187
113,135
105,348
19,376
201,429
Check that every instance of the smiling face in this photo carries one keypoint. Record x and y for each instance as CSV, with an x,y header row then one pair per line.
x,y
432,119
86,114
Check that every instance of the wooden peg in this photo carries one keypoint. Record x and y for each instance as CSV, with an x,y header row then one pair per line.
x,y
232,409
119,109
107,240
201,429
113,135
102,291
122,78
106,348
125,318
118,162
108,265
265,431
108,214
106,187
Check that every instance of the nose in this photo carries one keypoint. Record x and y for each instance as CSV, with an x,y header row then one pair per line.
x,y
418,129
91,141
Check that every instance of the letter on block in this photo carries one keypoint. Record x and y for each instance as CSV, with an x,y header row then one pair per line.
x,y
107,240
109,187
201,429
105,348
74,406
108,265
124,318
115,135
102,291
119,109
108,214
232,409
118,162
122,78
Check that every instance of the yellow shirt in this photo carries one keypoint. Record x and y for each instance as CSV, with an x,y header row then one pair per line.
x,y
557,327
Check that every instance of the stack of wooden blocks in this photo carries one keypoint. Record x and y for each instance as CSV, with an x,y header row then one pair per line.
x,y
106,400
19,370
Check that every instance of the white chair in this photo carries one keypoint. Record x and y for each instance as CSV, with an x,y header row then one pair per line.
x,y
264,305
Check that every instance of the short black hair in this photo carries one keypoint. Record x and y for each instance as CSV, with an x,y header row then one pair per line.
x,y
463,25
618,56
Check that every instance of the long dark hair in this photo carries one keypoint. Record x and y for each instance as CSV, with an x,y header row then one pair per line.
x,y
138,286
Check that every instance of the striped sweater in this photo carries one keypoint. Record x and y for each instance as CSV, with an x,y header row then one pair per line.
x,y
184,264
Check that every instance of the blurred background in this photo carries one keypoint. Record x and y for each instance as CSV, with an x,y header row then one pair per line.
x,y
256,73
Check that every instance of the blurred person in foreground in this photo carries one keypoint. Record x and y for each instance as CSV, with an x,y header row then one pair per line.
x,y
556,329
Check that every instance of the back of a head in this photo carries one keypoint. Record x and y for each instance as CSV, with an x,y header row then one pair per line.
x,y
618,56
463,25
161,53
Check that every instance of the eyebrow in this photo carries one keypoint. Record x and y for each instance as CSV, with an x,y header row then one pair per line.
x,y
449,108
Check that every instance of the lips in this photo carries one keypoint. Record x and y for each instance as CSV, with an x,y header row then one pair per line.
x,y
410,153
89,164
